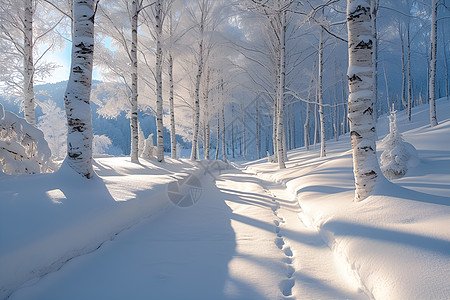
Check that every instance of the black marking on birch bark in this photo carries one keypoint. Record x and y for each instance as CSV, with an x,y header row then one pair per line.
x,y
77,69
74,155
368,110
371,173
355,134
84,49
76,125
354,78
360,10
367,148
364,45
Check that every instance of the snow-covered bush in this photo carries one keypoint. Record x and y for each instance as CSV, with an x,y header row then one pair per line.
x,y
23,148
100,144
149,149
397,154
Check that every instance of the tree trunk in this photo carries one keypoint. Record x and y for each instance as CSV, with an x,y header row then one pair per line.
x,y
444,46
308,109
194,153
405,104
224,146
387,89
216,157
232,131
374,7
206,121
28,64
173,141
258,132
158,71
78,91
134,84
432,88
321,113
409,74
282,74
361,103
244,141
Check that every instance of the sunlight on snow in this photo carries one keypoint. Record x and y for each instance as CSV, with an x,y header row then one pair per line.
x,y
57,196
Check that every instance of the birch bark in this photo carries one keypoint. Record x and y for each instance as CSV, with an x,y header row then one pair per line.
x,y
433,40
134,84
360,102
282,74
28,63
173,142
320,86
77,96
158,71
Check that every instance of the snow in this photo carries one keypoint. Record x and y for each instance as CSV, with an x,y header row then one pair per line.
x,y
397,242
255,232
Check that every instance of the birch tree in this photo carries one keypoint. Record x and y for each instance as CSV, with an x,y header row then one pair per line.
x,y
433,60
77,96
18,29
360,102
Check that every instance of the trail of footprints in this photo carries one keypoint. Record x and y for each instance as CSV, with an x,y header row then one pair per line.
x,y
287,284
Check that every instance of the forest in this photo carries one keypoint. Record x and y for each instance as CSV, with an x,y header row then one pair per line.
x,y
123,98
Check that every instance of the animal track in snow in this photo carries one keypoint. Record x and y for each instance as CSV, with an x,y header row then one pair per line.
x,y
286,287
279,242
287,284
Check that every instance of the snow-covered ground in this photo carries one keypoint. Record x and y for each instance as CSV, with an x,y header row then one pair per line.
x,y
396,242
256,232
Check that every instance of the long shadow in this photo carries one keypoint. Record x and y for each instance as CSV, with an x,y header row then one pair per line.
x,y
388,188
341,228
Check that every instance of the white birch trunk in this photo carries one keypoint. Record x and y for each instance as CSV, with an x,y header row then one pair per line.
x,y
308,111
77,96
224,147
158,75
258,132
134,84
28,64
408,47
206,121
321,113
173,142
360,102
274,126
387,88
216,156
194,152
281,86
375,54
244,141
433,39
405,104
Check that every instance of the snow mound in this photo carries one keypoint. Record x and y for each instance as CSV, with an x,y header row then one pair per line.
x,y
23,148
398,155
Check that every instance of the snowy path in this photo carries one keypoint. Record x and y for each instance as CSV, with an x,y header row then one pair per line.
x,y
242,240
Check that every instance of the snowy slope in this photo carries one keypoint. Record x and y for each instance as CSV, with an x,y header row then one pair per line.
x,y
397,242
47,219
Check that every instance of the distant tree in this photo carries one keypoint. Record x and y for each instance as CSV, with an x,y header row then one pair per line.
x,y
53,125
